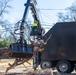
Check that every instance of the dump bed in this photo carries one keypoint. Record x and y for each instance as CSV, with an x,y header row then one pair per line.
x,y
62,43
21,50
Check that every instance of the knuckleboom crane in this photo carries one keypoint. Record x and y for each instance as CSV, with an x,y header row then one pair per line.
x,y
26,51
22,42
20,49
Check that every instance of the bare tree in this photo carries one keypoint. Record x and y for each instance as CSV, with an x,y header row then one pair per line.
x,y
4,6
5,26
70,15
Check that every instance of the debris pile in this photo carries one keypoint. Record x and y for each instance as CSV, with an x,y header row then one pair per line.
x,y
41,72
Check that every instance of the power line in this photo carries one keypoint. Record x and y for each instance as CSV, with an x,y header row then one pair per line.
x,y
56,9
43,9
46,15
52,9
46,25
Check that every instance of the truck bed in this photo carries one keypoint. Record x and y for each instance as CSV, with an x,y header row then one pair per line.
x,y
62,43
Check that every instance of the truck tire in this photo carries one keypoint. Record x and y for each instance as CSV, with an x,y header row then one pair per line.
x,y
64,66
45,64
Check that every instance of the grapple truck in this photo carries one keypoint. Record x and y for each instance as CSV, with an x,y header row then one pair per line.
x,y
60,48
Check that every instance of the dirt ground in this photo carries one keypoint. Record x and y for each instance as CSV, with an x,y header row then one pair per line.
x,y
26,69
19,69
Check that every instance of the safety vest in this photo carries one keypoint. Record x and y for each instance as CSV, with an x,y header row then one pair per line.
x,y
34,24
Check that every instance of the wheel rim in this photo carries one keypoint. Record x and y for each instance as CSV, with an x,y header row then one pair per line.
x,y
46,64
63,67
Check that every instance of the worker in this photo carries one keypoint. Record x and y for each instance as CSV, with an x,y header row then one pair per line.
x,y
34,27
